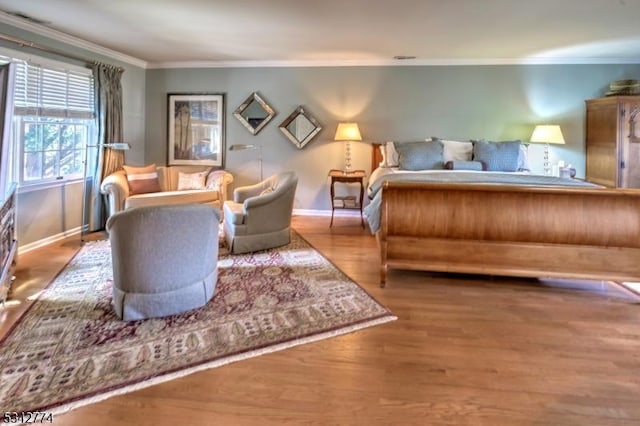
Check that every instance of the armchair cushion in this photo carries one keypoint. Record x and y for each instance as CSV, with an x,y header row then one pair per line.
x,y
191,196
234,212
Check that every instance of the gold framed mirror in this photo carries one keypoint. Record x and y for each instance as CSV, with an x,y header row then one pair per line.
x,y
300,127
254,113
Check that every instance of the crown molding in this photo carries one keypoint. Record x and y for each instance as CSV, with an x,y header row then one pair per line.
x,y
59,36
392,63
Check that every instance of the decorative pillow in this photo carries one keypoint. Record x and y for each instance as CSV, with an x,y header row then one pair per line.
x,y
457,150
420,155
191,180
523,159
214,179
464,165
142,180
389,155
497,156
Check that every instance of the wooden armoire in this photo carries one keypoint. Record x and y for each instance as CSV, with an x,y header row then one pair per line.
x,y
613,141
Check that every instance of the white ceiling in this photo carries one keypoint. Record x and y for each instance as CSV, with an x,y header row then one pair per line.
x,y
317,32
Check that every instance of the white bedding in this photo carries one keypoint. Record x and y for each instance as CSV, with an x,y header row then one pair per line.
x,y
381,173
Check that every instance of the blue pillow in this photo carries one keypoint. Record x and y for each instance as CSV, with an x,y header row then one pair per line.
x,y
497,156
464,165
420,155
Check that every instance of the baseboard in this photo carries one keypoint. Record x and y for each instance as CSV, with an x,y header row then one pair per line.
x,y
76,231
49,240
337,213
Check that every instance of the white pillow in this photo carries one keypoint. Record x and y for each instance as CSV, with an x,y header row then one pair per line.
x,y
191,180
523,158
383,153
390,155
457,150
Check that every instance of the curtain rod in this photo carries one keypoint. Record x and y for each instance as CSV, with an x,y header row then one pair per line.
x,y
31,45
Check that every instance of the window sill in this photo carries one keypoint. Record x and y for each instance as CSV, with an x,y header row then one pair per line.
x,y
48,185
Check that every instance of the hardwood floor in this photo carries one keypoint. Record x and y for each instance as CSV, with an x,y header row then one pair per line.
x,y
465,350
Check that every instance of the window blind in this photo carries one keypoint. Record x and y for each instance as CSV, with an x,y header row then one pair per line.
x,y
48,92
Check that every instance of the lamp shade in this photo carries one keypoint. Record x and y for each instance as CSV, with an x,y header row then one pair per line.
x,y
547,133
348,132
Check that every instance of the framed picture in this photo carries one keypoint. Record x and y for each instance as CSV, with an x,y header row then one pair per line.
x,y
195,131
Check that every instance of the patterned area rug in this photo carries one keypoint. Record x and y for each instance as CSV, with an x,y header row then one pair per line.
x,y
69,349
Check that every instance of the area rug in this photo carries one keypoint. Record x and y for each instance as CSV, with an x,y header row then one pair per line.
x,y
69,349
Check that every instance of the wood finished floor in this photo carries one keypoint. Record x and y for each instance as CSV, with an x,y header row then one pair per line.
x,y
464,351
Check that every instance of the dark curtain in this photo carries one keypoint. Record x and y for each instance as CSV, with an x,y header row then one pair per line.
x,y
108,98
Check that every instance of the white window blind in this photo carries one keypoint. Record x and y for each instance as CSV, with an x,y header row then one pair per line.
x,y
47,92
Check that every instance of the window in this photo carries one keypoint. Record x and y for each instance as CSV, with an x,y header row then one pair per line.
x,y
51,148
53,122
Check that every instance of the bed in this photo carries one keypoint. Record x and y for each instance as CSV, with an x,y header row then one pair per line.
x,y
567,229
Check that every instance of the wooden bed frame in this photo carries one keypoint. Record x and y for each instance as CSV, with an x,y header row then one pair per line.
x,y
515,230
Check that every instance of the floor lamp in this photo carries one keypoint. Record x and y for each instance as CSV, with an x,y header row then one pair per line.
x,y
242,147
117,146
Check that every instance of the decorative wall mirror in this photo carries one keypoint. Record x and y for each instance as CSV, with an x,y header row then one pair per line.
x,y
254,113
300,127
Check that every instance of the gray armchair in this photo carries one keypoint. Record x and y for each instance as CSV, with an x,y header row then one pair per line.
x,y
164,259
259,217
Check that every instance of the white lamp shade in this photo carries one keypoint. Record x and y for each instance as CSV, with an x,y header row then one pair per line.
x,y
547,133
348,132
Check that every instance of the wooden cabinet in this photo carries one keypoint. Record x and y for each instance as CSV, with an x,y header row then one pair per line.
x,y
613,141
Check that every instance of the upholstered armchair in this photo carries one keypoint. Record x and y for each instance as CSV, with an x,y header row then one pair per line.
x,y
164,259
259,217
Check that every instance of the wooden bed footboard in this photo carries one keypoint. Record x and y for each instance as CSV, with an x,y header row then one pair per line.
x,y
530,231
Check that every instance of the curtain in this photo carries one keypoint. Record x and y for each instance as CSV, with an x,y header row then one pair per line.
x,y
108,98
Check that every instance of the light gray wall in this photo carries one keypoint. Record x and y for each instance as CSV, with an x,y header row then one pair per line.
x,y
390,103
48,212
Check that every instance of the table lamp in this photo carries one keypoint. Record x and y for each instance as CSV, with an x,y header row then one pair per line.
x,y
547,134
347,132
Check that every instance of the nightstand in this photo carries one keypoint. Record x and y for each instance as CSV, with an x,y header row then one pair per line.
x,y
347,202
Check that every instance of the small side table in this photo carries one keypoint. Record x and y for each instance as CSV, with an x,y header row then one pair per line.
x,y
347,202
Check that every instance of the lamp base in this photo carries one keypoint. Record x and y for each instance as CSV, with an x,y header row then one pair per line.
x,y
347,157
546,164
